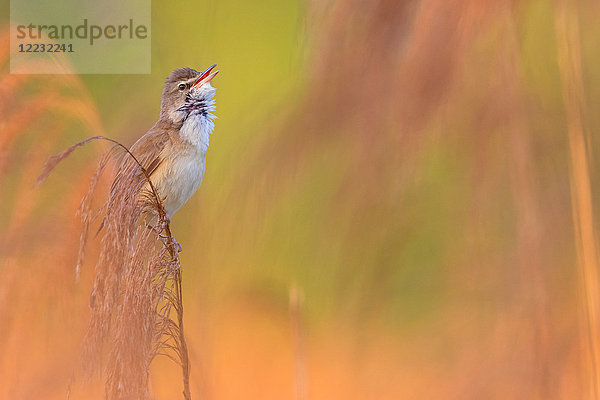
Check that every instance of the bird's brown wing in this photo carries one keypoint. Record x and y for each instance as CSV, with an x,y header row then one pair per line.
x,y
153,165
149,152
149,149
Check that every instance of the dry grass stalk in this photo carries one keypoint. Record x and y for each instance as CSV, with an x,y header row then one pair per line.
x,y
569,58
138,283
300,381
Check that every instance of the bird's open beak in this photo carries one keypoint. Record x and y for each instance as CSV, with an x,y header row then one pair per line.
x,y
206,76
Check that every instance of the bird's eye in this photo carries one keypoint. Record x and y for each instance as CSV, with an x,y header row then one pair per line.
x,y
181,86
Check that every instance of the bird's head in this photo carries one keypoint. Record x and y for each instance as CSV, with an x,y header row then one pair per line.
x,y
188,92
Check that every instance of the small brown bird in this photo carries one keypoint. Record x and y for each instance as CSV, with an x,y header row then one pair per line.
x,y
173,151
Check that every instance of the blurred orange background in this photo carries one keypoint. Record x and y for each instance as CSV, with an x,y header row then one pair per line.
x,y
400,202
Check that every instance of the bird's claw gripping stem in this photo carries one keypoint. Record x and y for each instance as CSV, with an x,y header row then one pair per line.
x,y
177,245
164,223
171,244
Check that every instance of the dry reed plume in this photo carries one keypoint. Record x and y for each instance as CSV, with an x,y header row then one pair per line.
x,y
137,310
136,304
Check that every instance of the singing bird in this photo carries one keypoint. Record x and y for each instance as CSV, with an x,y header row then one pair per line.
x,y
173,151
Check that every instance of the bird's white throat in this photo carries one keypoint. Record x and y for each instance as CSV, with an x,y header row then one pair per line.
x,y
198,125
196,130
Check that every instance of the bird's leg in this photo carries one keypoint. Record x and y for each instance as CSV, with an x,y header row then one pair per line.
x,y
164,223
168,239
172,244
